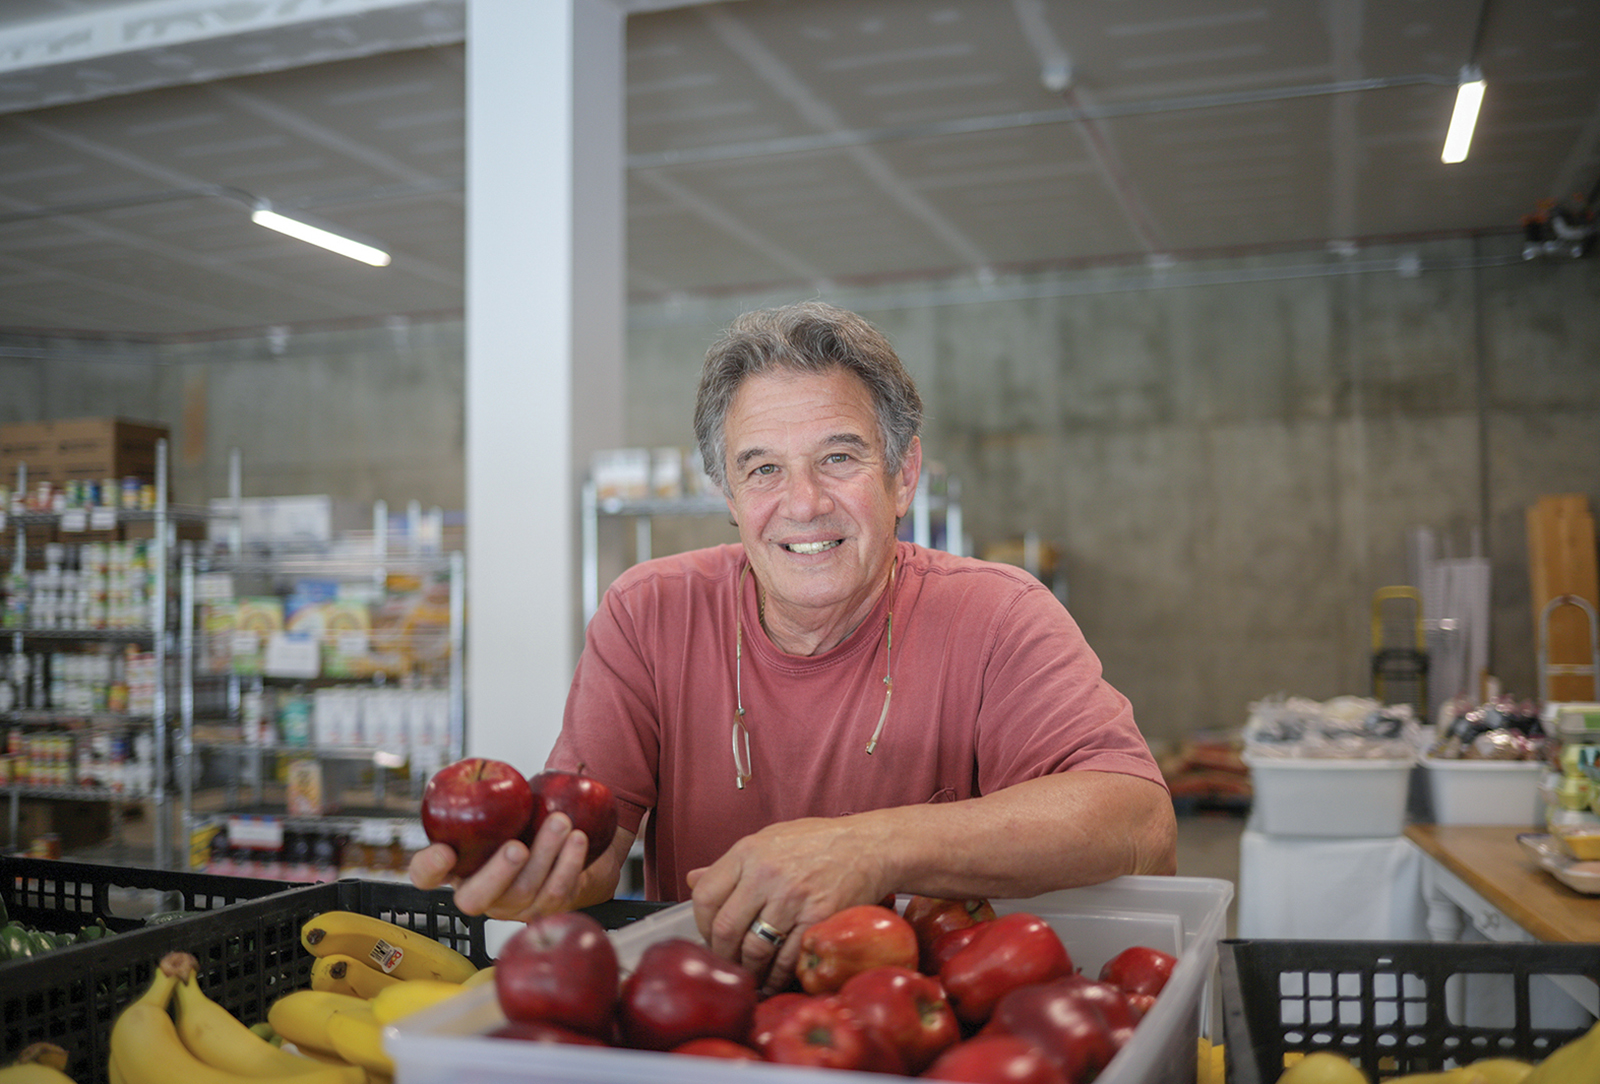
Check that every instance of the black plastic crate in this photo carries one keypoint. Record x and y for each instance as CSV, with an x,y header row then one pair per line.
x,y
1391,1007
248,948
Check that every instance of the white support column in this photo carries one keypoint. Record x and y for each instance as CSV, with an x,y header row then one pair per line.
x,y
545,333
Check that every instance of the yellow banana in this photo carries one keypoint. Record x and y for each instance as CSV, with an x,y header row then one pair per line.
x,y
341,974
218,1038
33,1072
114,1072
359,1041
1571,1062
482,975
405,998
301,1017
392,949
45,1054
146,1049
1502,1070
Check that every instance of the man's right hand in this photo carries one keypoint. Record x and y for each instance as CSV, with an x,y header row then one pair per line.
x,y
518,883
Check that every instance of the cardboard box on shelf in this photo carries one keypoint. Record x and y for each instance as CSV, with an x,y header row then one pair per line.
x,y
89,449
26,443
81,450
79,824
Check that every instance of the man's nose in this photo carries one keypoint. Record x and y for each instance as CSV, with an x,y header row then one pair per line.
x,y
807,496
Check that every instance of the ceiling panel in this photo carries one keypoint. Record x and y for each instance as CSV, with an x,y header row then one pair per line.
x,y
784,144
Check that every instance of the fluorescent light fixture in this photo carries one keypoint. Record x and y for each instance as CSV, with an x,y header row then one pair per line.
x,y
1469,96
263,215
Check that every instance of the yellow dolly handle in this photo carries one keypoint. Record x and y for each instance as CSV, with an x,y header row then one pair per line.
x,y
1384,594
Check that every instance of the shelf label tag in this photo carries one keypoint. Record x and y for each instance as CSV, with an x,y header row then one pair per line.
x,y
102,519
75,519
257,833
292,656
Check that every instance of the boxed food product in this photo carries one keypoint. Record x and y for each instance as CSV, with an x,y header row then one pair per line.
x,y
1325,796
1182,915
1484,791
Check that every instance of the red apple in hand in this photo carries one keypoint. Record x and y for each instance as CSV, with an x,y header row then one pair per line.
x,y
907,1010
851,941
586,802
475,805
559,969
681,990
1139,970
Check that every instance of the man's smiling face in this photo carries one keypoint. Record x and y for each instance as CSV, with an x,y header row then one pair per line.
x,y
810,491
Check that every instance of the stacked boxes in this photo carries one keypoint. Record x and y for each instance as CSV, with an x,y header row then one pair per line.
x,y
81,450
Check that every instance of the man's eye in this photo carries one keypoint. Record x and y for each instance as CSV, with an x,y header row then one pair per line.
x,y
765,468
838,457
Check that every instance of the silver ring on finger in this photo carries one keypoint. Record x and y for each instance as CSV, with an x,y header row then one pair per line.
x,y
768,932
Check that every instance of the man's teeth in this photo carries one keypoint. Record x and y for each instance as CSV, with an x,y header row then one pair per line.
x,y
810,547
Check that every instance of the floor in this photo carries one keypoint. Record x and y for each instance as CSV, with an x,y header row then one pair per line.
x,y
1208,846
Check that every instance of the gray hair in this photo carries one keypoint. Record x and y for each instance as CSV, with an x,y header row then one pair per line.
x,y
809,337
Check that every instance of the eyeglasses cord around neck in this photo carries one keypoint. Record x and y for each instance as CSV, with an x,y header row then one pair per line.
x,y
743,769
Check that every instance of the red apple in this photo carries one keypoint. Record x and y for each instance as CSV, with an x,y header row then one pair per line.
x,y
717,1048
475,805
946,945
559,969
849,942
768,1012
931,916
1139,970
906,1009
1011,951
531,1031
821,1032
1078,1023
995,1059
587,803
681,990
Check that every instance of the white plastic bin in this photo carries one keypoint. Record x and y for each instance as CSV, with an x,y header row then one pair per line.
x,y
1314,796
1485,791
1182,915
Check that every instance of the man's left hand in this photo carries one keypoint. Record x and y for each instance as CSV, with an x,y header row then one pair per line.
x,y
789,875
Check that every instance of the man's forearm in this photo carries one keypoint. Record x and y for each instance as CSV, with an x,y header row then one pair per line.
x,y
1057,831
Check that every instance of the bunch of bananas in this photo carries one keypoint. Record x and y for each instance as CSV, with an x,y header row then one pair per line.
x,y
41,1063
173,1031
367,973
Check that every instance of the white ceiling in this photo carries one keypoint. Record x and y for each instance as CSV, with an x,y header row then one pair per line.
x,y
772,144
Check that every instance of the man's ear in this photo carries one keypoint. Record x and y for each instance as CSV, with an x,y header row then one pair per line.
x,y
906,478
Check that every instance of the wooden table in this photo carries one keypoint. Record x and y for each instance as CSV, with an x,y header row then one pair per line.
x,y
1489,861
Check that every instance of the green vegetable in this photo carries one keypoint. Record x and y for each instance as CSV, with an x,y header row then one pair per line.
x,y
17,941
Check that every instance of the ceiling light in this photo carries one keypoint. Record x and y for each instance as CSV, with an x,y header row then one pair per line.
x,y
263,215
1469,96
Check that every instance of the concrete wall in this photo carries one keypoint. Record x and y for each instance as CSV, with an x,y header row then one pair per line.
x,y
1230,456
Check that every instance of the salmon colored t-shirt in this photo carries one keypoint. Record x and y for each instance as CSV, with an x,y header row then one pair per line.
x,y
993,684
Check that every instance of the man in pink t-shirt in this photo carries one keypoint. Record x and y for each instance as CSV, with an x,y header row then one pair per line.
x,y
822,715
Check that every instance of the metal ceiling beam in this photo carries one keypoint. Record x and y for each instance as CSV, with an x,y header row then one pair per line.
x,y
154,43
834,140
